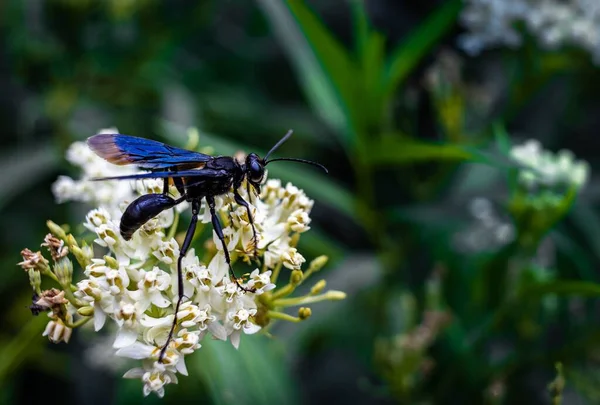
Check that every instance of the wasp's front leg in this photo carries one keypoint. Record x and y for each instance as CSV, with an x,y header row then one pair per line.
x,y
219,231
240,200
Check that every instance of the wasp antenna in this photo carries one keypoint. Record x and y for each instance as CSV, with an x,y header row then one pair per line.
x,y
278,144
310,162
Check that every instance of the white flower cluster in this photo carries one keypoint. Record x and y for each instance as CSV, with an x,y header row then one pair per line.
x,y
542,168
135,284
487,231
554,22
107,194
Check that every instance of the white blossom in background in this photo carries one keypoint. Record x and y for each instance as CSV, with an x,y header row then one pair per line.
x,y
132,286
555,23
542,168
488,230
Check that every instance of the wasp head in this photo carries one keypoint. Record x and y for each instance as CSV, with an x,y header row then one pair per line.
x,y
255,170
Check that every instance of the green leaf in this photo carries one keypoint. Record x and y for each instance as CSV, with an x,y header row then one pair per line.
x,y
502,138
21,168
418,44
254,374
562,287
398,149
587,222
322,64
403,150
317,186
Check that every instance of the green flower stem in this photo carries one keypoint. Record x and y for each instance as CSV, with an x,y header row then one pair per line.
x,y
275,274
283,316
328,296
283,292
77,324
51,275
173,228
72,299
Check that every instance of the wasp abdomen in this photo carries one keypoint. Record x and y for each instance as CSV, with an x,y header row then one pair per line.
x,y
143,209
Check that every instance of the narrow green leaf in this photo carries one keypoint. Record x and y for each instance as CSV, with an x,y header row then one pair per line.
x,y
562,287
403,150
21,168
587,222
322,64
243,376
398,149
502,138
418,44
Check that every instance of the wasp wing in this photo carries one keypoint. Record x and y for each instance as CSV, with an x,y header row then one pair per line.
x,y
147,154
206,173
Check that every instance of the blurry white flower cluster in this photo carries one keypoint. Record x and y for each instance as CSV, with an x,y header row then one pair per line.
x,y
134,284
488,230
555,23
542,168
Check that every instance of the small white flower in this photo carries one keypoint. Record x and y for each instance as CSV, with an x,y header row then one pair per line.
x,y
260,282
292,259
150,290
238,321
298,221
167,252
127,319
187,341
154,379
57,331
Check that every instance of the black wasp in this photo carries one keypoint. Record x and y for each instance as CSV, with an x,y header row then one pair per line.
x,y
195,175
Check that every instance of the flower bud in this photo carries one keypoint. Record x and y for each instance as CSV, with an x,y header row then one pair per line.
x,y
71,241
64,272
296,277
111,262
80,256
318,287
57,331
56,230
336,295
35,279
318,263
304,313
86,311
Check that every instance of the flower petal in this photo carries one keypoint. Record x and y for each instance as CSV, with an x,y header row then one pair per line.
x,y
137,351
217,330
99,318
180,366
134,373
125,337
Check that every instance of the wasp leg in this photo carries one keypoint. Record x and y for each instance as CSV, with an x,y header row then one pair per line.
x,y
166,186
240,200
219,231
182,252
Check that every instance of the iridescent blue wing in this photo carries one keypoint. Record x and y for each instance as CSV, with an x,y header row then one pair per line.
x,y
199,173
147,154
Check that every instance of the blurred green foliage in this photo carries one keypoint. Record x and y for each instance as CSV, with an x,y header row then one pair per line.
x,y
412,131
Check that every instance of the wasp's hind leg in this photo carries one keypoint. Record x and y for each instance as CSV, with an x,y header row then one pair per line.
x,y
182,252
240,200
219,231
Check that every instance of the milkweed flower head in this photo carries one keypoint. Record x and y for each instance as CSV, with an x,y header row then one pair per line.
x,y
555,23
130,286
541,168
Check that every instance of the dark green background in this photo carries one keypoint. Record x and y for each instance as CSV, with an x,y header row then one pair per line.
x,y
350,77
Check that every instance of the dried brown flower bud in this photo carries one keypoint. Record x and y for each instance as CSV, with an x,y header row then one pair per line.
x,y
56,247
33,260
52,299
